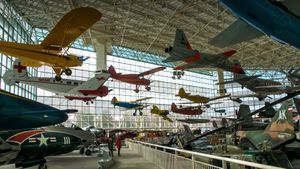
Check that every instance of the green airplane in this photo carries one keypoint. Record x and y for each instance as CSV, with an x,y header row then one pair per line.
x,y
277,144
26,148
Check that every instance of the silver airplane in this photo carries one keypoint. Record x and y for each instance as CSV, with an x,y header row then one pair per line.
x,y
182,51
261,87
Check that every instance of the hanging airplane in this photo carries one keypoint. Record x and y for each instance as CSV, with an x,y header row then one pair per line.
x,y
26,148
279,19
182,51
86,91
197,98
17,112
293,76
136,79
261,87
52,51
196,110
193,121
137,105
162,113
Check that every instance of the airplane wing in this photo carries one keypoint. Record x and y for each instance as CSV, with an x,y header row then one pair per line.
x,y
166,118
191,65
152,71
219,97
226,82
237,32
70,27
244,78
133,108
92,84
142,99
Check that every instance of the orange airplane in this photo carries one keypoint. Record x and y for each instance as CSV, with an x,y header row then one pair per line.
x,y
136,79
52,51
186,110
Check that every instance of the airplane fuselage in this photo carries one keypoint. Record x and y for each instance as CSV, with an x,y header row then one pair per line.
x,y
186,110
35,56
256,85
133,79
70,89
127,105
37,143
205,60
18,112
197,98
271,18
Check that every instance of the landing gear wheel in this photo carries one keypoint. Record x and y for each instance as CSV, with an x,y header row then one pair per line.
x,y
58,78
88,152
43,166
141,113
81,151
134,114
68,72
148,88
136,90
87,103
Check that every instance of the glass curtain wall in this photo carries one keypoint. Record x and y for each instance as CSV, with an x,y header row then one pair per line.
x,y
14,29
103,114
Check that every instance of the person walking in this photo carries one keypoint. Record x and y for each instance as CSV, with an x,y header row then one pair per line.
x,y
118,144
111,146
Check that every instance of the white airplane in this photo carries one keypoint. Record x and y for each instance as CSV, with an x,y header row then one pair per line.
x,y
86,91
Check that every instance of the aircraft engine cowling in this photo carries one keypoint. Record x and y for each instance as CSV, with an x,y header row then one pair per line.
x,y
169,49
103,91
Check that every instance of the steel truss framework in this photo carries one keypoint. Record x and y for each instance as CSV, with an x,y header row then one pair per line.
x,y
149,26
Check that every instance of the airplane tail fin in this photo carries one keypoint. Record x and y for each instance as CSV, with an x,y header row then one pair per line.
x,y
173,107
181,49
112,71
114,100
243,111
297,104
154,109
188,132
181,41
283,119
181,92
17,71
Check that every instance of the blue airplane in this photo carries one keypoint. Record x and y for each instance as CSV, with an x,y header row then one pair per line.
x,y
278,19
17,112
136,105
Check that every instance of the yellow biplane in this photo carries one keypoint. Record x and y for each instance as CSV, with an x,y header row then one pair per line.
x,y
52,51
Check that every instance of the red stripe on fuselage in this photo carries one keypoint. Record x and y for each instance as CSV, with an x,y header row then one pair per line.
x,y
22,136
194,58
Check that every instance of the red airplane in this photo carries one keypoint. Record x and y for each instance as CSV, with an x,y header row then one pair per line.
x,y
136,79
186,110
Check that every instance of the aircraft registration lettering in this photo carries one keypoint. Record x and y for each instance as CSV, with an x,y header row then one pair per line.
x,y
281,115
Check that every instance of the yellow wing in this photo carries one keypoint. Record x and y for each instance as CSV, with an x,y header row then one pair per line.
x,y
138,100
70,27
